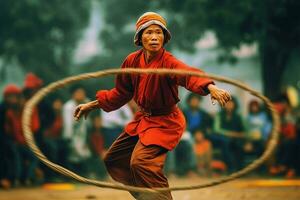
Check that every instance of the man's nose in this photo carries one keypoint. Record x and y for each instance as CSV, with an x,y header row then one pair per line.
x,y
154,37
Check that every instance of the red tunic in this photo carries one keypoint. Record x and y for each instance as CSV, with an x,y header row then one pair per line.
x,y
153,92
54,131
13,124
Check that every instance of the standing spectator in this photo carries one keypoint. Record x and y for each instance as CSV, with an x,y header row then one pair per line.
x,y
229,129
113,123
32,83
96,141
52,138
25,161
11,97
75,134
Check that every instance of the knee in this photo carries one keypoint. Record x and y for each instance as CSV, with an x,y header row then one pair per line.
x,y
138,165
135,163
110,161
107,160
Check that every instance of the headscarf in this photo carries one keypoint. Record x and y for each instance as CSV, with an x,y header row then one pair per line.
x,y
32,81
148,19
11,89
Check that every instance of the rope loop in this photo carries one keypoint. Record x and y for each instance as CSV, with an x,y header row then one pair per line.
x,y
26,119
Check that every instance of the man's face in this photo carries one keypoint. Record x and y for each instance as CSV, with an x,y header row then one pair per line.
x,y
194,103
230,106
57,105
153,38
254,108
13,100
79,95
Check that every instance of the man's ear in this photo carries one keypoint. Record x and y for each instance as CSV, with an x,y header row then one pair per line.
x,y
140,38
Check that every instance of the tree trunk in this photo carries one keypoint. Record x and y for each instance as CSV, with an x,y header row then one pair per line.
x,y
274,58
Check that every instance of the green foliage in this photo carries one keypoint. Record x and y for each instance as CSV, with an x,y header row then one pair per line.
x,y
236,22
117,36
41,35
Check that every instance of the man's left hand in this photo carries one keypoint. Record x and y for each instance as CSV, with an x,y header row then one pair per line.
x,y
220,95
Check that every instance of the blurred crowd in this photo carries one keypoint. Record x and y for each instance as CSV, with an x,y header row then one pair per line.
x,y
212,145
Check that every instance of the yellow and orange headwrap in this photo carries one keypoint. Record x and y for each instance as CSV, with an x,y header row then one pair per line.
x,y
147,19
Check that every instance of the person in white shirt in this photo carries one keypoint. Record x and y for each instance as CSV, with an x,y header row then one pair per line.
x,y
75,134
114,122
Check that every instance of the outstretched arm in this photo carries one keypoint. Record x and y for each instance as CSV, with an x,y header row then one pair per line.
x,y
109,100
202,86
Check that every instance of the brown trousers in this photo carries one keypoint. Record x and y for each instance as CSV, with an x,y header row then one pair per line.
x,y
130,162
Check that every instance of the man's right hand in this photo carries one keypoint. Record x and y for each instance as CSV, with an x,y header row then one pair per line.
x,y
84,109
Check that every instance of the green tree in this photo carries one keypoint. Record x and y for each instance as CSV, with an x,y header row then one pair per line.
x,y
117,35
273,24
41,35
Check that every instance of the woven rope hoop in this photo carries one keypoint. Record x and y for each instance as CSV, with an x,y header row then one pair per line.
x,y
61,83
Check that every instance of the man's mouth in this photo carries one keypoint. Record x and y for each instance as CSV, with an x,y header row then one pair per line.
x,y
154,45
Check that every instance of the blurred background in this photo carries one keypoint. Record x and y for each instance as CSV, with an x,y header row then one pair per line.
x,y
255,42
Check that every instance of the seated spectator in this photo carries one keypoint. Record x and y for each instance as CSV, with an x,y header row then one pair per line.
x,y
181,161
285,158
258,131
203,152
229,135
297,157
197,118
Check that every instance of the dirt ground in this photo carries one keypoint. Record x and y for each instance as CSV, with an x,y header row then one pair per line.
x,y
243,189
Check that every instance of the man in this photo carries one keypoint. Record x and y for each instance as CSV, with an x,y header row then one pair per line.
x,y
25,162
137,156
75,134
11,96
229,134
197,119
